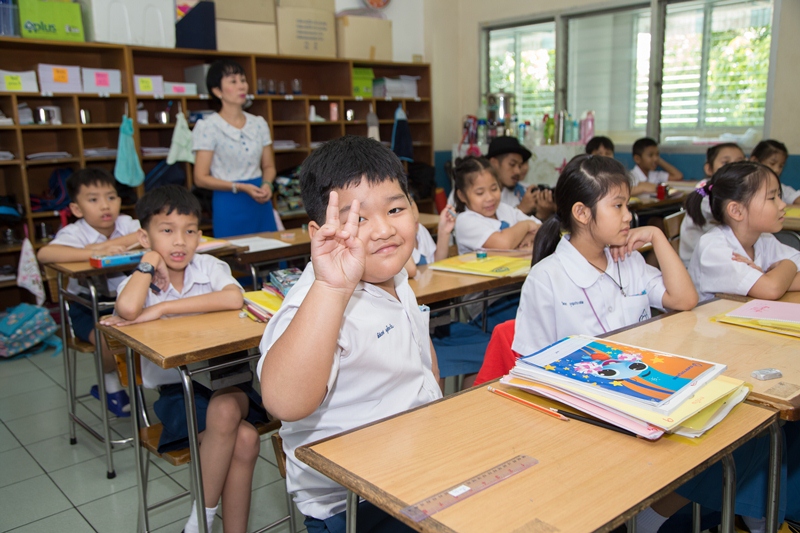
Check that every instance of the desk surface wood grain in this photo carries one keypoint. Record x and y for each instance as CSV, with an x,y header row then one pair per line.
x,y
587,478
432,286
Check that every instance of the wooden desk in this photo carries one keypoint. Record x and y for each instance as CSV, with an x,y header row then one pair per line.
x,y
743,350
299,247
791,224
587,478
647,203
176,343
431,286
430,221
793,297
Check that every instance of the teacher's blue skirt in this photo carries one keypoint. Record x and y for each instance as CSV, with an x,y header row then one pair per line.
x,y
239,214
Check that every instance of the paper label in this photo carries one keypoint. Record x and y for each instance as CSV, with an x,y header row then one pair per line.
x,y
458,491
13,82
145,85
178,89
101,79
60,75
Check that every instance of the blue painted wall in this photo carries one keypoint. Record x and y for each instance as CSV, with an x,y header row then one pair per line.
x,y
690,164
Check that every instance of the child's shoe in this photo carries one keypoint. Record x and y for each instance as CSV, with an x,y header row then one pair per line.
x,y
118,402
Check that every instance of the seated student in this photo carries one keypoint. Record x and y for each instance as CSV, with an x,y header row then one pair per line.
x,y
739,255
600,145
99,230
774,154
484,221
349,345
645,174
717,157
507,157
426,250
172,280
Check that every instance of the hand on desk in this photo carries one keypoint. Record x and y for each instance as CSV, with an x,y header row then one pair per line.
x,y
148,314
107,248
338,255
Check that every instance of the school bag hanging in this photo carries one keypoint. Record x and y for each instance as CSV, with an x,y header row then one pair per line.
x,y
373,125
402,144
25,326
127,170
180,149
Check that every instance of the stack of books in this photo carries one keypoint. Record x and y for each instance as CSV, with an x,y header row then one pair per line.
x,y
261,305
642,392
496,266
766,315
283,280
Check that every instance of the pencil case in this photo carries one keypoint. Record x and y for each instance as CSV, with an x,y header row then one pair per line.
x,y
105,261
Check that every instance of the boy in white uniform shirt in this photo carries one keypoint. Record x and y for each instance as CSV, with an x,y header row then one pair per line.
x,y
172,280
645,175
99,230
349,345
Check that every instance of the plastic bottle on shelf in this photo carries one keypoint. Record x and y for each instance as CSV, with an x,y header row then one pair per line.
x,y
528,133
587,127
549,130
482,131
513,125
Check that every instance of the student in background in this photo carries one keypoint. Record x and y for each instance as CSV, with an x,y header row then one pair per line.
x,y
600,146
426,249
592,280
645,175
739,255
172,280
349,345
484,221
99,230
507,157
717,157
774,154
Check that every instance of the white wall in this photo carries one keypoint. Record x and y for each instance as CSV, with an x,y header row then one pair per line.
x,y
408,23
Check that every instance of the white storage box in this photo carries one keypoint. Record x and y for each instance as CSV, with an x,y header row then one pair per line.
x,y
24,81
101,81
183,89
138,22
59,78
402,87
153,85
197,75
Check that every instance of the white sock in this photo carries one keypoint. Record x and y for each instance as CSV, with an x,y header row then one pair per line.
x,y
193,527
648,521
755,525
112,382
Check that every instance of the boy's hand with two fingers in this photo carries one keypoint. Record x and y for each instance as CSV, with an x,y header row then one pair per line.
x,y
338,255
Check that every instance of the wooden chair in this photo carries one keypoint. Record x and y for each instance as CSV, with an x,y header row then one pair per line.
x,y
672,228
280,458
150,434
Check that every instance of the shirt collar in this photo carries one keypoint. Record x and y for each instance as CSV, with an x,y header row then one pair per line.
x,y
192,275
639,174
399,279
93,236
248,130
579,270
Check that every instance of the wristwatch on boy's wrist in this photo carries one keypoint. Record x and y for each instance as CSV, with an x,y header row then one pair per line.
x,y
146,268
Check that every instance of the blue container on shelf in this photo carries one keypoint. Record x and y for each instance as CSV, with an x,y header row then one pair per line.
x,y
9,19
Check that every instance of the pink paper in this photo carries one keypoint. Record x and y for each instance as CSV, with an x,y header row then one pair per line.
x,y
101,79
768,310
179,89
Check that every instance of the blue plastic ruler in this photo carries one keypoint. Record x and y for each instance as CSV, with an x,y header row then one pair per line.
x,y
460,492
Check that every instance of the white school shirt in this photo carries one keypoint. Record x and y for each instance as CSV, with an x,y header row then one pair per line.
x,y
654,176
712,269
80,234
426,246
382,366
237,152
204,274
565,295
473,229
691,232
789,194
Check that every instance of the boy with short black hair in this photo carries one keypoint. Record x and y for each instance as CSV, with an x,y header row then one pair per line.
x,y
349,345
99,230
171,280
645,175
600,145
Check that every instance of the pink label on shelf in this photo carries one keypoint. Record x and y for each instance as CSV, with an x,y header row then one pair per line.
x,y
178,89
101,79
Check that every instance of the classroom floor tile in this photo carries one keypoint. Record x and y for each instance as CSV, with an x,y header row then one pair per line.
x,y
25,382
18,465
32,402
57,453
30,500
7,439
69,521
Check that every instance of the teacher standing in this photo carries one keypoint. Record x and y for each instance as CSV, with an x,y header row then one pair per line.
x,y
233,157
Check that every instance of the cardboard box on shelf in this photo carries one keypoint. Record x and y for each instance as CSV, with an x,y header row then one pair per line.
x,y
59,78
137,22
246,10
324,5
364,38
250,37
400,87
306,32
101,81
146,84
197,75
54,21
21,82
362,82
180,89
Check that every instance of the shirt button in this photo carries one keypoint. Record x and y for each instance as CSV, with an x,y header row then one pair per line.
x,y
610,309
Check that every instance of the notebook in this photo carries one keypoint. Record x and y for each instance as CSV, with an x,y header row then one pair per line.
x,y
766,315
494,266
258,244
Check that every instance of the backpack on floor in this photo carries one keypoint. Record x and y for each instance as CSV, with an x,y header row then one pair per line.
x,y
23,327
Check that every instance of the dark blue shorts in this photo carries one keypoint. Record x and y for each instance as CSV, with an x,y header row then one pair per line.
x,y
170,408
82,320
369,519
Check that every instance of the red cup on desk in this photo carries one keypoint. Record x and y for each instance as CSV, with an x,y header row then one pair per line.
x,y
662,191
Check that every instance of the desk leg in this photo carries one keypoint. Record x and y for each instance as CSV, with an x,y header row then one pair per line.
x,y
194,449
630,525
696,517
485,321
351,511
101,383
141,479
728,493
774,490
62,306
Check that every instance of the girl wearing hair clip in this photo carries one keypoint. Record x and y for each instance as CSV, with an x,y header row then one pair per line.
x,y
739,255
